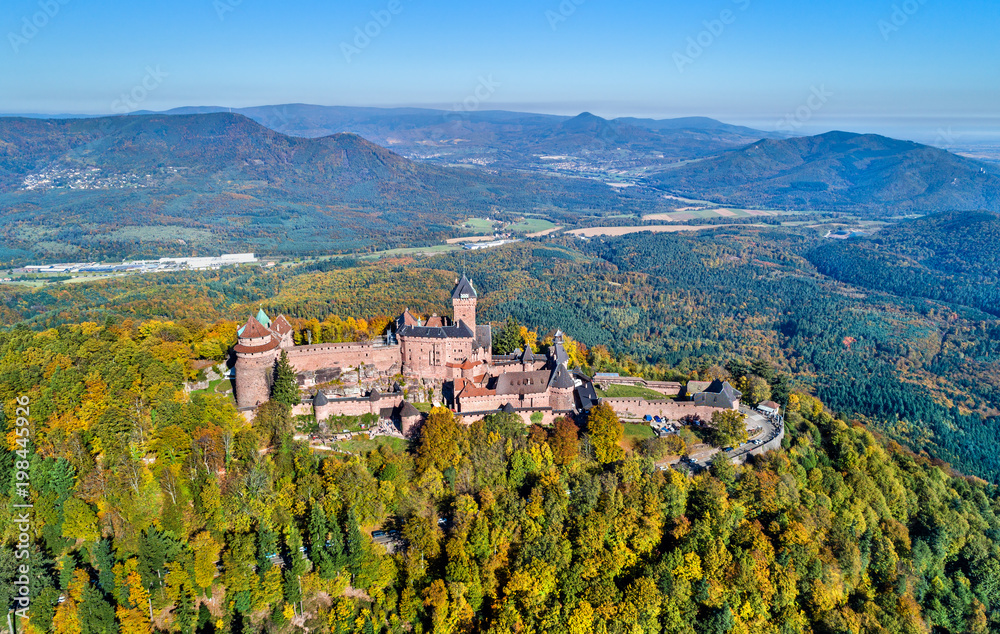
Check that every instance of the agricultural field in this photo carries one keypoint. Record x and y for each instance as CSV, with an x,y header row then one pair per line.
x,y
530,225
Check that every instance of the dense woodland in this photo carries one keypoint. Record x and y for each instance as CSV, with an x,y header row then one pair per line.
x,y
926,372
156,510
952,257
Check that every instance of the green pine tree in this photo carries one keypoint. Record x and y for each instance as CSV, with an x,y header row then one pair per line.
x,y
355,543
285,389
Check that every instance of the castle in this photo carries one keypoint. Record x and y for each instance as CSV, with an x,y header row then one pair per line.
x,y
449,358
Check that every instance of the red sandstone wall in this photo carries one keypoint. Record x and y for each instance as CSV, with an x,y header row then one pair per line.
x,y
548,417
672,410
342,355
252,380
357,407
417,356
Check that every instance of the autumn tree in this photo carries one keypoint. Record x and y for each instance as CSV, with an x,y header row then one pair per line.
x,y
756,390
729,428
439,440
605,431
564,441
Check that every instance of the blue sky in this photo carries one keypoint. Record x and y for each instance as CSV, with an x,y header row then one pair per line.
x,y
930,64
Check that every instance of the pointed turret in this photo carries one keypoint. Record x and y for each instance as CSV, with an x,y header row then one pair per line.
x,y
463,300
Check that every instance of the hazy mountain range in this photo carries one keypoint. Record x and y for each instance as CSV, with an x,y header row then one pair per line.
x,y
148,184
99,185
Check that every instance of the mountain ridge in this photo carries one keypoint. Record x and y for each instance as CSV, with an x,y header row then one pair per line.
x,y
838,171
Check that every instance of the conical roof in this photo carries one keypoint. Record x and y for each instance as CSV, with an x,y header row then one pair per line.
x,y
507,409
253,329
263,318
320,399
561,379
407,410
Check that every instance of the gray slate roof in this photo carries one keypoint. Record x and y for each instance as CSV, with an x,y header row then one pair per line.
x,y
407,410
562,379
320,399
456,331
464,290
718,394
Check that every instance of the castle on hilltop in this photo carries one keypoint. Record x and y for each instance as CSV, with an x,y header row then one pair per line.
x,y
442,361
449,359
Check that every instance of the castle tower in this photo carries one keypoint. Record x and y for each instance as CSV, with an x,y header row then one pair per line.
x,y
256,351
562,386
463,300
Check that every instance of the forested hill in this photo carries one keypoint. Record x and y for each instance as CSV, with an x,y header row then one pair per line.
x,y
127,186
504,136
839,171
954,257
158,510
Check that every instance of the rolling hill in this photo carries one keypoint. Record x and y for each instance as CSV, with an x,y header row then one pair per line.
x,y
839,171
952,257
111,187
516,140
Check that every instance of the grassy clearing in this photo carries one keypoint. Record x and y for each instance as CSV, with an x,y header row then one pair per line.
x,y
365,445
631,391
478,224
638,432
218,386
438,248
531,225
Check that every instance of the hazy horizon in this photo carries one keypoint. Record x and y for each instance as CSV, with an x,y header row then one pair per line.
x,y
912,68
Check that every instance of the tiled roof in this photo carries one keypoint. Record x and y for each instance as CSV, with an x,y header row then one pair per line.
x,y
471,390
465,365
281,325
270,345
407,318
263,318
254,330
523,382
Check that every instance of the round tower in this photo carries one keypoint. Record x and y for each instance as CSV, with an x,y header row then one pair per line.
x,y
256,352
562,387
